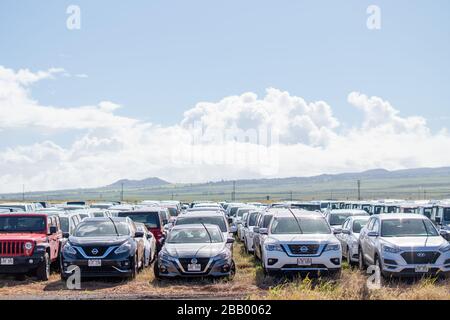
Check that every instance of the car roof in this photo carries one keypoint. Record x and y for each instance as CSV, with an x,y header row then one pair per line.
x,y
388,216
351,211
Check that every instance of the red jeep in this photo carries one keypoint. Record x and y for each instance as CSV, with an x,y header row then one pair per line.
x,y
29,243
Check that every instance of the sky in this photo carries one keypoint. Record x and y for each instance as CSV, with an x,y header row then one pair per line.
x,y
169,88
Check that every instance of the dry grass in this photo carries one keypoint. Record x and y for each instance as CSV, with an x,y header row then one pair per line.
x,y
249,283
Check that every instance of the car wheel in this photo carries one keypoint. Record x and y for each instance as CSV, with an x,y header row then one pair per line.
x,y
380,267
135,267
43,269
245,247
156,270
349,258
361,262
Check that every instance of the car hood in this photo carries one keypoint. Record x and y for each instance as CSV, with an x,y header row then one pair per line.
x,y
201,250
302,238
23,236
97,241
412,242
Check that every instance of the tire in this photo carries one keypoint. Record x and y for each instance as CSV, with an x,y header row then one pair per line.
x,y
135,268
349,259
232,271
335,275
378,264
156,270
245,247
43,269
361,262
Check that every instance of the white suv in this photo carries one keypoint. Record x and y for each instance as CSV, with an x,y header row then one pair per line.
x,y
300,241
404,245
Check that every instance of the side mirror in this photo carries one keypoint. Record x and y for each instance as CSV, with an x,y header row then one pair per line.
x,y
263,231
53,230
230,220
256,229
337,231
138,234
345,231
230,240
373,234
445,234
438,220
66,235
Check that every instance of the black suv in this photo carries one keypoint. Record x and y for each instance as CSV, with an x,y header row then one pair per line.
x,y
104,247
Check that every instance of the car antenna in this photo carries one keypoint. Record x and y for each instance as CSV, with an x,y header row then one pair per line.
x,y
298,223
115,227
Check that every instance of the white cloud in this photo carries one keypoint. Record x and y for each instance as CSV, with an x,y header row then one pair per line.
x,y
203,146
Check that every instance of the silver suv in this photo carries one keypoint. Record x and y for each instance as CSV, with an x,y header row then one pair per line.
x,y
403,245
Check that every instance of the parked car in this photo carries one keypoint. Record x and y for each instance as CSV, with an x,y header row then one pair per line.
x,y
149,243
19,206
29,244
104,247
337,217
300,241
349,237
248,232
403,245
154,218
441,218
213,218
258,238
69,222
195,250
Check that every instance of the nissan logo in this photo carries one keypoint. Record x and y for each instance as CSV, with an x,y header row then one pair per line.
x,y
194,261
94,251
304,249
421,254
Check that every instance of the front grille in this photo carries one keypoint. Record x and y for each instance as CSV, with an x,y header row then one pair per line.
x,y
100,250
304,249
9,248
202,261
420,257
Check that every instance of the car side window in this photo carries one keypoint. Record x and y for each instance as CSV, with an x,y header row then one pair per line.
x,y
370,224
345,225
376,225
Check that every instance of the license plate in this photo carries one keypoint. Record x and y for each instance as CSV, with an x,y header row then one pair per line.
x,y
95,263
194,267
422,268
7,261
304,261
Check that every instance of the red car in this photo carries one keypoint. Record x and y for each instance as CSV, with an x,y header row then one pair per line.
x,y
29,243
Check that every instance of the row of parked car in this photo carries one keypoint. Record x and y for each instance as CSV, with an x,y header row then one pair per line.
x,y
196,239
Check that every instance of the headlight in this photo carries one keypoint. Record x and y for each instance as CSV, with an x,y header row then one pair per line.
x,y
126,247
69,249
224,255
28,245
332,247
445,248
274,247
164,255
389,249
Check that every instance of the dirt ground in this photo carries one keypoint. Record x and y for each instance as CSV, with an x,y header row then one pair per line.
x,y
248,283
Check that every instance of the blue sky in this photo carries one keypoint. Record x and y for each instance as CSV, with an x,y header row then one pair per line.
x,y
159,59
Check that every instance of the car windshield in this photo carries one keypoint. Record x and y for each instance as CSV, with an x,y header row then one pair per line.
x,y
407,228
98,214
172,211
252,219
358,224
308,207
102,229
22,224
447,215
150,219
337,219
241,212
100,206
214,220
288,225
233,211
64,224
195,235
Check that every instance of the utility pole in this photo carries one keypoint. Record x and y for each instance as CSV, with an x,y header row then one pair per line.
x,y
359,190
291,195
23,192
121,192
233,194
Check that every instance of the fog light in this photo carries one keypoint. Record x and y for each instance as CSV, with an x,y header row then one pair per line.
x,y
271,262
226,268
163,269
31,261
66,264
335,261
126,263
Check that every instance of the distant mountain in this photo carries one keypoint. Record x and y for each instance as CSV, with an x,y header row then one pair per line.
x,y
149,182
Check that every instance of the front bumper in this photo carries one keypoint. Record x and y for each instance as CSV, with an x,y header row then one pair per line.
x,y
280,261
395,265
108,268
22,264
214,268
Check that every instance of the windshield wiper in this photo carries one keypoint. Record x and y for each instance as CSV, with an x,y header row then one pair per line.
x,y
115,227
298,223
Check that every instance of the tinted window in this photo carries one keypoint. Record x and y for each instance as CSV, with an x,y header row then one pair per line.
x,y
64,223
358,225
215,220
195,235
289,225
407,228
308,207
446,214
337,219
233,211
22,224
102,229
252,219
150,219
266,221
